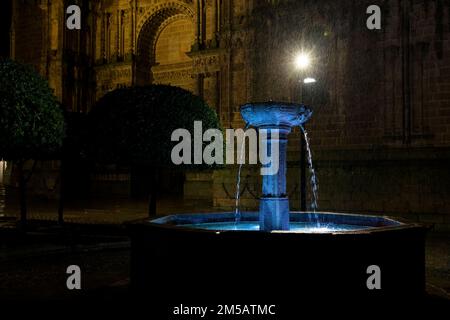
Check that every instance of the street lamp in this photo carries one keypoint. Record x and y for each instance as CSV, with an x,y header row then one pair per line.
x,y
303,62
309,80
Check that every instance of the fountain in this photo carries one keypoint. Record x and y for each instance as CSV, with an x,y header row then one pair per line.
x,y
277,119
265,253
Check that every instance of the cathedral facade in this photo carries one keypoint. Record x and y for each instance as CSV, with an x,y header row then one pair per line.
x,y
122,43
381,123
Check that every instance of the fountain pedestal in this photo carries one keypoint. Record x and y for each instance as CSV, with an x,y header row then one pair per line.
x,y
277,119
274,203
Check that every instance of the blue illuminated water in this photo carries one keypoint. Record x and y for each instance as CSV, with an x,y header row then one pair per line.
x,y
237,214
302,227
314,181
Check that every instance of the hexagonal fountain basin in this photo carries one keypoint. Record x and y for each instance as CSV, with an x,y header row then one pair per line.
x,y
208,258
274,254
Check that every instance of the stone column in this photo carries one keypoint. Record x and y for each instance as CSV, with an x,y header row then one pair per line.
x,y
274,203
12,31
199,89
277,119
211,90
215,23
198,35
54,52
203,36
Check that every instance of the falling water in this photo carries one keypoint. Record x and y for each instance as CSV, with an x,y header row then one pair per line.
x,y
2,188
314,181
237,213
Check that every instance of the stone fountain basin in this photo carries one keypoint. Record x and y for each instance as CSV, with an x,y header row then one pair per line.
x,y
212,266
270,114
327,222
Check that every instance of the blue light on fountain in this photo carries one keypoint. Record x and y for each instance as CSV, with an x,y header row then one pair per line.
x,y
269,243
275,118
274,215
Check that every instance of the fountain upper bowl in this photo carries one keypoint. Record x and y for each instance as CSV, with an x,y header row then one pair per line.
x,y
275,114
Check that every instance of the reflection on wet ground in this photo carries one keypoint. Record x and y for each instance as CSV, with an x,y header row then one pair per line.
x,y
2,199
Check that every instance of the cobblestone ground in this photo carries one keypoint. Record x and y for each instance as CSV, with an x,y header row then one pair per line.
x,y
438,265
44,278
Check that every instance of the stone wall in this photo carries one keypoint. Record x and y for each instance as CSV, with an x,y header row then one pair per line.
x,y
30,46
381,123
198,186
413,185
387,87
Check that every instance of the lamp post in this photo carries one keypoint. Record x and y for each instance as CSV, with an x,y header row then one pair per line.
x,y
302,63
2,170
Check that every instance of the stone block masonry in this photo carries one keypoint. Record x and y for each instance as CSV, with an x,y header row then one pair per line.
x,y
381,127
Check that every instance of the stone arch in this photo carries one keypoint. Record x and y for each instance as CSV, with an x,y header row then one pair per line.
x,y
149,28
181,7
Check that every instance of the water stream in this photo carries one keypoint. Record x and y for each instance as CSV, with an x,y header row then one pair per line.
x,y
237,213
2,187
314,182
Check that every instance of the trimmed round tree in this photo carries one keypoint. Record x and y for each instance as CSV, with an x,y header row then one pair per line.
x,y
31,121
134,126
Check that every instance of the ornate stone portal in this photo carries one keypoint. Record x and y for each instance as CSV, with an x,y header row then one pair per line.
x,y
190,57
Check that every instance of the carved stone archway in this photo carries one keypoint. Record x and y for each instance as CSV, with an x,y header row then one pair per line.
x,y
149,31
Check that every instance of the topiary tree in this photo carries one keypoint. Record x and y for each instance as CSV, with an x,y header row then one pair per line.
x,y
133,127
31,121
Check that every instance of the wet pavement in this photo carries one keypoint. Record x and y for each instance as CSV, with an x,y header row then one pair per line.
x,y
104,211
437,255
44,277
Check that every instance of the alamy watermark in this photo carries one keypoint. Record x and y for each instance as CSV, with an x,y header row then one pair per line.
x,y
73,281
374,280
263,147
73,21
374,20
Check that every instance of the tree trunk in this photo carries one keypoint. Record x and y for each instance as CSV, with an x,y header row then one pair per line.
x,y
62,192
153,193
22,196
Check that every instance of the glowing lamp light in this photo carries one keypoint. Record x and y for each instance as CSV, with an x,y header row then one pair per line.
x,y
309,80
302,61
